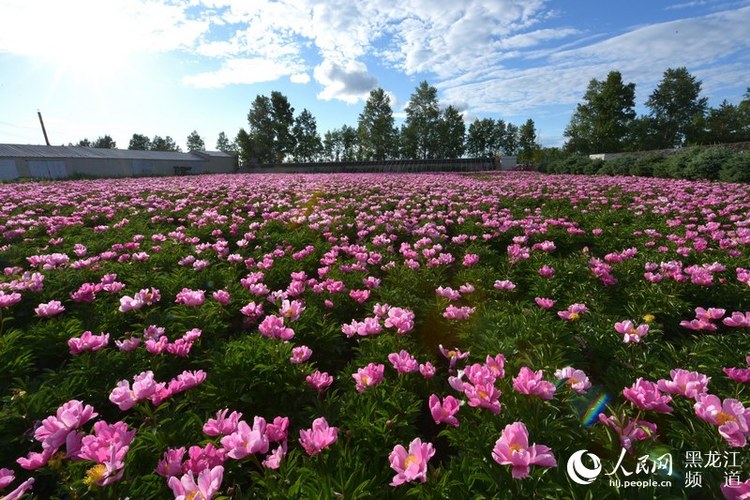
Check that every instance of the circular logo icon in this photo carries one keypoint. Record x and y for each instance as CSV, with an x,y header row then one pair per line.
x,y
578,472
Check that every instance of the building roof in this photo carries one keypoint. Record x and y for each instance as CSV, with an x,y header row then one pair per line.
x,y
61,152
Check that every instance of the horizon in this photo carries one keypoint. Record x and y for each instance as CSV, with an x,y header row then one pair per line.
x,y
169,68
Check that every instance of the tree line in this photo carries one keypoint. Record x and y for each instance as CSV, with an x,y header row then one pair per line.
x,y
606,121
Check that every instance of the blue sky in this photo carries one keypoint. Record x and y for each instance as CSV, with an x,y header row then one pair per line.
x,y
116,67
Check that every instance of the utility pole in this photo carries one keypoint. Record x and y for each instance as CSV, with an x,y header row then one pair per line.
x,y
44,130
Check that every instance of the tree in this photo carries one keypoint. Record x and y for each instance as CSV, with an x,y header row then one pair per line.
x,y
509,140
350,150
260,137
451,133
243,146
140,142
676,107
222,143
104,142
601,123
164,144
375,127
195,142
527,141
84,143
283,119
308,146
332,145
723,124
420,132
480,139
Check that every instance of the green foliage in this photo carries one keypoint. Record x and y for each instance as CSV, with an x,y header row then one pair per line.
x,y
736,168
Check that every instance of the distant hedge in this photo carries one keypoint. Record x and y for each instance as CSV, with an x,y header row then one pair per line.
x,y
697,162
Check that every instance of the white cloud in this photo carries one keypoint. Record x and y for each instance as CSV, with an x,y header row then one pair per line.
x,y
239,71
350,83
301,78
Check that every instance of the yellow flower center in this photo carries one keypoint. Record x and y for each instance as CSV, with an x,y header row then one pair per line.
x,y
482,394
574,316
451,354
94,475
572,380
191,495
410,460
515,447
365,379
724,417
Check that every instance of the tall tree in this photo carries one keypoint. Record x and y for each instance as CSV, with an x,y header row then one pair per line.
x,y
140,142
283,120
84,143
677,108
509,140
723,124
451,133
308,146
243,146
222,143
479,141
195,142
375,127
601,123
166,143
260,137
350,150
104,142
420,132
332,145
527,141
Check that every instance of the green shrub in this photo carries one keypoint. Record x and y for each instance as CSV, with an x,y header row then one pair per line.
x,y
736,168
707,163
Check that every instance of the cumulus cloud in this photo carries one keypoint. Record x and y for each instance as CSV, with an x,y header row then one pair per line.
x,y
349,83
239,71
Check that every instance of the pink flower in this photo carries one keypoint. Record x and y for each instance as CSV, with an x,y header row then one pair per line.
x,y
7,300
88,342
544,303
513,449
483,395
273,327
629,430
300,354
712,313
222,425
448,293
6,477
359,296
685,383
444,412
698,324
319,380
573,312
630,332
191,298
576,379
504,285
739,375
427,370
531,383
368,376
203,458
246,440
496,365
737,320
458,313
221,296
403,362
730,416
646,396
181,383
144,387
209,482
470,259
737,491
107,447
466,288
51,308
36,460
546,272
252,310
411,465
400,319
273,460
171,462
319,437
128,344
453,355
278,430
20,490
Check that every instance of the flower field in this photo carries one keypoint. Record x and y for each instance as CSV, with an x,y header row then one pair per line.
x,y
375,336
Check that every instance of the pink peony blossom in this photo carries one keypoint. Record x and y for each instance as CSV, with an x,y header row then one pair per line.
x,y
400,319
483,395
88,342
49,309
738,320
646,396
531,383
10,299
427,370
222,425
171,462
273,327
630,332
410,465
736,491
403,362
513,449
186,488
20,490
200,458
629,430
504,285
685,383
300,354
246,440
144,387
319,380
319,437
107,447
544,303
369,376
221,296
730,416
458,313
576,379
444,412
453,355
573,312
191,298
